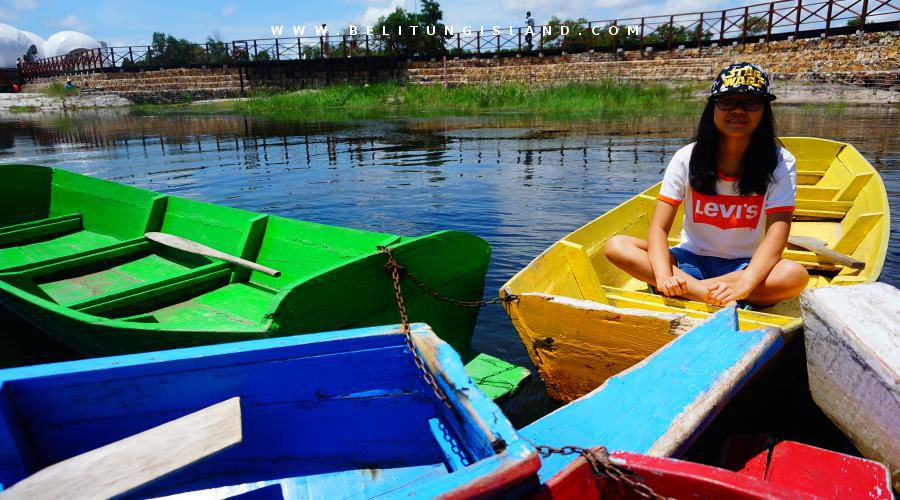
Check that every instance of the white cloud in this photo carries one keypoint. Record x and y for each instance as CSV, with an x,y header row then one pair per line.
x,y
374,12
228,10
72,22
25,4
8,15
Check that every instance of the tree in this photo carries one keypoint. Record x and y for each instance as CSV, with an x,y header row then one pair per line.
x,y
217,50
403,39
166,50
757,25
856,22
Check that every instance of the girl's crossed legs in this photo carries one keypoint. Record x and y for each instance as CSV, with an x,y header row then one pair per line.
x,y
786,280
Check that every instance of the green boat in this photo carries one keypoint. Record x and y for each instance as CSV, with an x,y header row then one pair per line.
x,y
75,262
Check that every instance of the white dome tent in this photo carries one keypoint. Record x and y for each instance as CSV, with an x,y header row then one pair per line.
x,y
37,42
13,44
67,42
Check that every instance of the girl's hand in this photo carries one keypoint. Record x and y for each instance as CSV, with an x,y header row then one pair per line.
x,y
672,286
724,293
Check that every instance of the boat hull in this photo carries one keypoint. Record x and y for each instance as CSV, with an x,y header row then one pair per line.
x,y
325,415
852,351
841,200
74,262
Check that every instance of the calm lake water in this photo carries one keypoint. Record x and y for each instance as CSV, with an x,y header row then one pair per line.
x,y
519,181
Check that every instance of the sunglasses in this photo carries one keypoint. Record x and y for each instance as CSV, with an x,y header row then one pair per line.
x,y
747,105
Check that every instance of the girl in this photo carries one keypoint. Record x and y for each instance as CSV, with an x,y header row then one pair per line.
x,y
738,186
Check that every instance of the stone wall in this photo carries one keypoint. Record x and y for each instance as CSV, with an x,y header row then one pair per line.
x,y
873,58
295,75
157,86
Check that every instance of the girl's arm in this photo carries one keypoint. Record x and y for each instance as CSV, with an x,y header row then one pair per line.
x,y
658,251
766,256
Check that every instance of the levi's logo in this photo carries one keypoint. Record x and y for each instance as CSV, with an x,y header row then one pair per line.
x,y
726,212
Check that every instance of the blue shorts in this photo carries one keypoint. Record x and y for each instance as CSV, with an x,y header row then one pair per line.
x,y
703,266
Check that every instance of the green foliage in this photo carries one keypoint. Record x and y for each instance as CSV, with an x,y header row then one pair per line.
x,y
402,41
262,55
58,89
581,37
856,22
757,25
166,50
24,109
374,100
218,52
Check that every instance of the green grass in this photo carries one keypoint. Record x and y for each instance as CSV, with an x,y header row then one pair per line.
x,y
836,108
58,89
354,101
23,109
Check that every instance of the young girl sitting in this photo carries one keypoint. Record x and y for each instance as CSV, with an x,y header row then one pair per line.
x,y
738,186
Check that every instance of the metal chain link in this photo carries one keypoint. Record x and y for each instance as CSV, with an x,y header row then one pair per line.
x,y
454,446
394,267
603,466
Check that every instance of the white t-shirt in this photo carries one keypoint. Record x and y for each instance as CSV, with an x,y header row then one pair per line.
x,y
727,225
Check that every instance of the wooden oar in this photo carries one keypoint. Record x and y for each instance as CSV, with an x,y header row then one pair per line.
x,y
122,466
819,247
170,240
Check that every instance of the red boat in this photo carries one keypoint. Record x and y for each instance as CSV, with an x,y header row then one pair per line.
x,y
789,470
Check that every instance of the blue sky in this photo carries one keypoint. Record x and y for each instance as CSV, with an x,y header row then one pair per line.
x,y
123,23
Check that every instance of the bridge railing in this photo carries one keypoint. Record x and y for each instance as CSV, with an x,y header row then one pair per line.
x,y
773,20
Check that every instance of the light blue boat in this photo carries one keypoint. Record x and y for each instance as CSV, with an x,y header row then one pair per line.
x,y
330,415
660,406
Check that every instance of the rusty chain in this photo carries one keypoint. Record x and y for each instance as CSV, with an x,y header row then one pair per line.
x,y
394,268
602,466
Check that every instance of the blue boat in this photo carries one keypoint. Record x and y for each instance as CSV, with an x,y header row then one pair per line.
x,y
661,405
331,415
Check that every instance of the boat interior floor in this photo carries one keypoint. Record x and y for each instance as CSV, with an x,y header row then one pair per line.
x,y
134,280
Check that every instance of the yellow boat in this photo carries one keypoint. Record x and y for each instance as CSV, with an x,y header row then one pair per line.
x,y
583,320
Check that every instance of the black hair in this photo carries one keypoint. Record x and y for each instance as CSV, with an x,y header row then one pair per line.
x,y
757,165
528,13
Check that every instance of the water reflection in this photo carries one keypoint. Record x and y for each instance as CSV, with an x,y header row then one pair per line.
x,y
519,181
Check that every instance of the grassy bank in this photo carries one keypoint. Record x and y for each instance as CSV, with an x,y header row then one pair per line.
x,y
388,98
57,89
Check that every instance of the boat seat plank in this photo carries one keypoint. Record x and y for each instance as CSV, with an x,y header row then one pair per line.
x,y
137,294
62,246
78,284
39,228
817,192
823,205
238,306
817,215
620,297
127,464
811,261
100,254
809,177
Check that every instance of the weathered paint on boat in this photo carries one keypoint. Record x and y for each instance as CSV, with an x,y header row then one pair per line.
x,y
841,200
789,471
852,342
330,415
74,261
660,405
